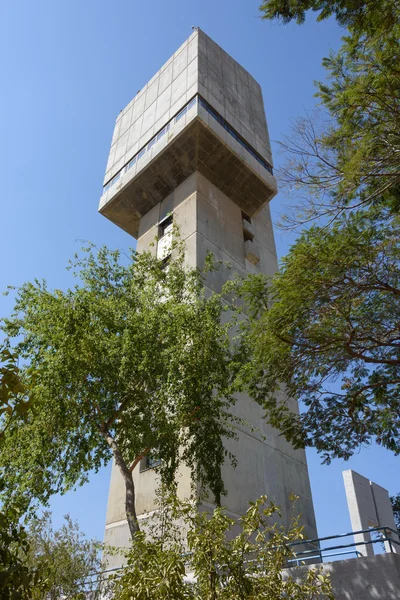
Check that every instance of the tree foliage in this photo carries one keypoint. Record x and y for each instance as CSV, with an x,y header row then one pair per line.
x,y
362,95
332,337
395,501
357,15
327,330
133,360
38,563
346,155
14,401
17,577
69,560
220,564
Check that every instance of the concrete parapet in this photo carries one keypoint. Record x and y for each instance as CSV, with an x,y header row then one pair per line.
x,y
366,578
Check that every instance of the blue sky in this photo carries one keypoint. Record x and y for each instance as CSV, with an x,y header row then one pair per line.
x,y
68,68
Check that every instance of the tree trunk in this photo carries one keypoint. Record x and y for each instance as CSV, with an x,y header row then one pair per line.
x,y
130,508
126,473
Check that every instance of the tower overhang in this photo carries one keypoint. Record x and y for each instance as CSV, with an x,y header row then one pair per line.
x,y
197,140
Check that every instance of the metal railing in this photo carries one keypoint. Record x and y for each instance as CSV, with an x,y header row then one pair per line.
x,y
319,554
315,555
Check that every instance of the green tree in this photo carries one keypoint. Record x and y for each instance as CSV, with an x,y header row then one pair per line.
x,y
14,401
395,501
133,360
357,15
72,562
222,564
17,577
349,157
326,329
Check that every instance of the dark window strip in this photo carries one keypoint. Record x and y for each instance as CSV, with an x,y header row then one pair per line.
x,y
177,118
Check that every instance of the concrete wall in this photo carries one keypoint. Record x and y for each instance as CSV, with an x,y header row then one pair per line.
x,y
367,578
153,106
199,66
369,506
234,93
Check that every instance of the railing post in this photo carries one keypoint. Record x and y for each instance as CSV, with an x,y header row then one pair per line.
x,y
389,539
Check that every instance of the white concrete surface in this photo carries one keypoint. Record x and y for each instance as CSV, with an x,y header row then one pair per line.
x,y
369,506
368,578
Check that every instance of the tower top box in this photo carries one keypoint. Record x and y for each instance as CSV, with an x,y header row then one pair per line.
x,y
201,111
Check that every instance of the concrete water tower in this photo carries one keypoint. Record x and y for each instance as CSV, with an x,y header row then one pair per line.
x,y
193,148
